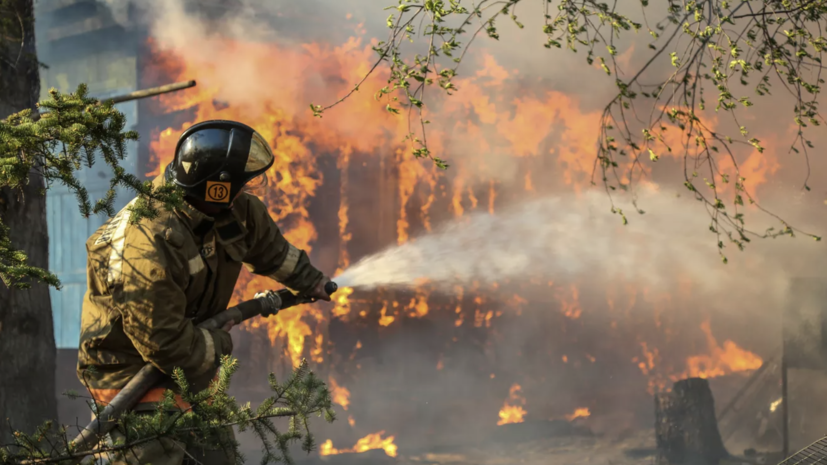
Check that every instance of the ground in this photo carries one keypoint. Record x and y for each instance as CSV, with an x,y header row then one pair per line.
x,y
530,443
564,448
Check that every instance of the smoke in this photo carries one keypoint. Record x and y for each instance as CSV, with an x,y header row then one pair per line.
x,y
476,129
515,97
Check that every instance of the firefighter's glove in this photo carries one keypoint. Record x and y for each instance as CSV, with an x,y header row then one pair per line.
x,y
223,342
318,291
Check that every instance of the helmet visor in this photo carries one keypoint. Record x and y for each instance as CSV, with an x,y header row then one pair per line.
x,y
260,157
258,185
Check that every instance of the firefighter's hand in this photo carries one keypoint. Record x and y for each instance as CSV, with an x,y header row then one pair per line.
x,y
318,292
228,326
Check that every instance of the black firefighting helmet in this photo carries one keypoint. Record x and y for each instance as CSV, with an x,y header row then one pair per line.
x,y
214,160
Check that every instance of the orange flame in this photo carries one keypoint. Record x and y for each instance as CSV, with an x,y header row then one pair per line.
x,y
287,326
431,179
340,394
411,171
649,363
384,319
512,411
721,360
318,349
511,414
578,413
570,307
492,195
369,442
419,305
456,201
342,302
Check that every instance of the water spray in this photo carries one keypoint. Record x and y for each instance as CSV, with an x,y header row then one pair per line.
x,y
553,238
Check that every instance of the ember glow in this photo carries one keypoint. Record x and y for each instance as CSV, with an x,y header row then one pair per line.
x,y
369,442
512,411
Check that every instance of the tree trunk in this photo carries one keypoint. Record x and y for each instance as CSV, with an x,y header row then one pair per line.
x,y
686,430
27,343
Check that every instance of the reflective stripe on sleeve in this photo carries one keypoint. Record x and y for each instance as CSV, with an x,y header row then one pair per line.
x,y
289,265
209,352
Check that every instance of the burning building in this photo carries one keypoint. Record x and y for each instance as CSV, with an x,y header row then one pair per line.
x,y
416,363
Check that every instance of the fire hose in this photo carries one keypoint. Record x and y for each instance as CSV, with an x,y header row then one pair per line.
x,y
265,304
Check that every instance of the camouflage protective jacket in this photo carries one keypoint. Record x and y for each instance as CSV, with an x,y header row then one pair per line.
x,y
151,283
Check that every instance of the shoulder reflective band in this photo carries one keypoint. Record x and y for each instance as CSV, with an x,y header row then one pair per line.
x,y
195,264
115,235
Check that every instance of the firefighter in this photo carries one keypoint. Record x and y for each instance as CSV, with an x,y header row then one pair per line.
x,y
151,283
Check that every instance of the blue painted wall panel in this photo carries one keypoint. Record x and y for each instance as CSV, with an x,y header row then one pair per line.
x,y
68,232
83,42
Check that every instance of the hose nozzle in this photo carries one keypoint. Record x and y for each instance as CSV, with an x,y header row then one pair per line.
x,y
331,287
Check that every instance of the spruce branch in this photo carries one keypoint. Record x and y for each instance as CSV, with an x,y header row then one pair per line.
x,y
73,131
203,424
